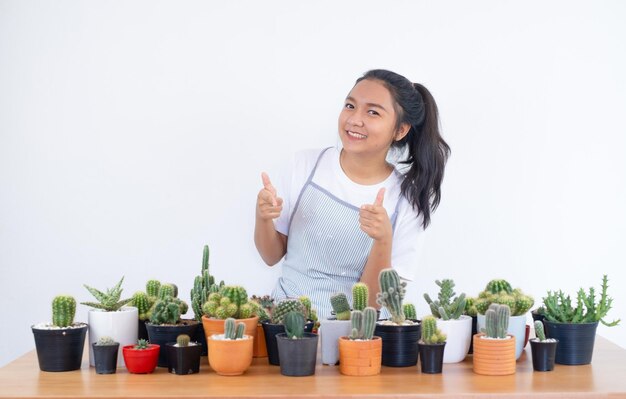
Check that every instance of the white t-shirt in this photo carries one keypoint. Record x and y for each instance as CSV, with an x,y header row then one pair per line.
x,y
330,176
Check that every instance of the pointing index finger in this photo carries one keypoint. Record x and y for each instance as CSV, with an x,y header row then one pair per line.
x,y
380,197
267,184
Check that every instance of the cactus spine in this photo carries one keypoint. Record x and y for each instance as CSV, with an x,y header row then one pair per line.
x,y
497,320
340,305
182,340
63,310
360,296
409,311
294,325
539,333
391,294
430,333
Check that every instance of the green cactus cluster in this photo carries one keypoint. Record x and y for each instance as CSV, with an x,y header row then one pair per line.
x,y
105,341
430,333
446,307
231,301
391,294
518,302
232,329
63,310
409,311
360,296
203,286
285,306
166,311
294,325
497,320
109,300
363,323
559,308
340,305
142,344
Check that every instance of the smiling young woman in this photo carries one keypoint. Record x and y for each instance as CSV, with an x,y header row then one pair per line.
x,y
345,214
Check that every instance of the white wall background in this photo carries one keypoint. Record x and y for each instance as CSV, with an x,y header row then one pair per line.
x,y
132,133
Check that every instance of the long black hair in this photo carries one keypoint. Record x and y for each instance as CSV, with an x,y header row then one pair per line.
x,y
426,151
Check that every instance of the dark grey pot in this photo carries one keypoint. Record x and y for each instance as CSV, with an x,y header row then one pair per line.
x,y
60,349
183,360
399,344
298,357
543,354
105,358
575,341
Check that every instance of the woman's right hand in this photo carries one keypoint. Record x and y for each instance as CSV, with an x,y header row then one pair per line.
x,y
268,204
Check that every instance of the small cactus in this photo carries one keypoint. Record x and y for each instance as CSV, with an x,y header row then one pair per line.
x,y
105,341
142,344
445,307
360,296
409,311
183,340
143,303
232,329
294,325
285,306
391,294
497,320
539,333
363,323
152,288
166,290
430,333
166,311
340,305
63,310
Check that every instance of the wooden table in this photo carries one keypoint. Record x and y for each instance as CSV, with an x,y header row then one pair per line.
x,y
605,377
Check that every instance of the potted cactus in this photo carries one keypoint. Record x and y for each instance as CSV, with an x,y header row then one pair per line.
x,y
230,301
399,334
575,327
339,326
203,286
111,318
360,353
264,309
60,344
183,355
275,325
165,323
457,327
471,311
494,348
431,346
144,301
141,358
297,349
230,353
542,349
105,353
501,292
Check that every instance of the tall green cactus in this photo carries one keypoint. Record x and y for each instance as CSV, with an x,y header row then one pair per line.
x,y
445,307
430,333
391,294
360,296
63,310
294,325
203,285
497,320
340,305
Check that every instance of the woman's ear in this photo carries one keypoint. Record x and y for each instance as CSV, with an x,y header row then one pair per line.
x,y
403,130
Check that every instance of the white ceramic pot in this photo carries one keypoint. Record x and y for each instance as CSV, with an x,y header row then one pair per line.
x,y
330,331
517,327
459,336
121,326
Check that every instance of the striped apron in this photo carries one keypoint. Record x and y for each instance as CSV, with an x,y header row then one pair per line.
x,y
326,249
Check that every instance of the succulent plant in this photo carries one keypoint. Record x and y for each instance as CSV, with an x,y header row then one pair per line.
x,y
360,296
166,311
363,323
497,320
152,288
558,307
231,301
105,341
285,306
232,329
340,305
142,344
166,290
409,311
445,307
391,294
294,325
265,305
515,299
470,307
143,303
430,333
309,313
109,300
63,310
539,332
203,286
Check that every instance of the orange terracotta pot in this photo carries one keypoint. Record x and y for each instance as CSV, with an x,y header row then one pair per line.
x,y
259,347
494,356
216,326
230,356
360,358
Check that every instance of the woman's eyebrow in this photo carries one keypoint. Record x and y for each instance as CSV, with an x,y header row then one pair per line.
x,y
373,105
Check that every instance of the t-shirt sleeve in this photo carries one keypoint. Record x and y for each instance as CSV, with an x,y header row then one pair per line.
x,y
407,242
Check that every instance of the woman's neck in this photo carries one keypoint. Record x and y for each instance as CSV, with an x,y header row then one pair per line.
x,y
364,170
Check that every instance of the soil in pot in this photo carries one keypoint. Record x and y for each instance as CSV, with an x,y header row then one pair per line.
x,y
60,349
105,358
543,354
431,357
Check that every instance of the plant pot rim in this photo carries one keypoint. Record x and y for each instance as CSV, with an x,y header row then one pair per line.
x,y
461,318
132,348
346,338
192,344
205,317
536,341
123,309
510,317
50,327
183,323
484,336
244,338
420,342
307,335
570,323
104,346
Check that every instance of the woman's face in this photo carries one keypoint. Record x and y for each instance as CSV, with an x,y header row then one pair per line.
x,y
367,122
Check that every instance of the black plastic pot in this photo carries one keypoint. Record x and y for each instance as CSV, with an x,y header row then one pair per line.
x,y
399,344
142,332
105,358
297,356
183,360
161,335
60,349
543,354
474,332
200,338
431,357
575,341
270,330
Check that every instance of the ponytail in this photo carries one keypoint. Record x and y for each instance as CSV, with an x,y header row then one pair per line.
x,y
425,149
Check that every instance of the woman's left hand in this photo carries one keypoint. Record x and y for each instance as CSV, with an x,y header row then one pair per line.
x,y
374,219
